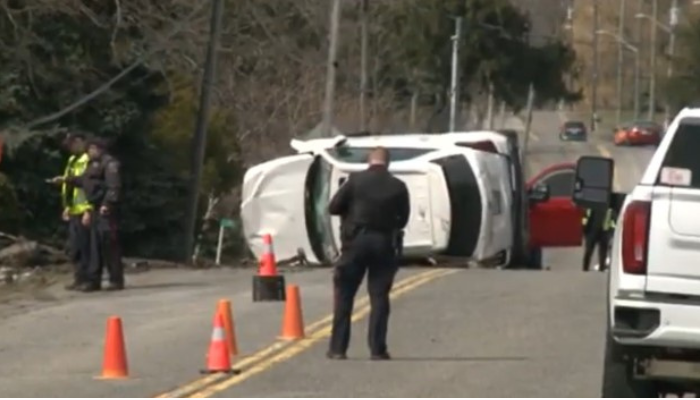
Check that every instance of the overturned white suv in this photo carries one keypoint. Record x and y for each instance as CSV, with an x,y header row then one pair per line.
x,y
468,197
653,335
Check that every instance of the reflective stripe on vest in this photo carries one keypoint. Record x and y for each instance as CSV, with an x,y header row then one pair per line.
x,y
76,167
608,223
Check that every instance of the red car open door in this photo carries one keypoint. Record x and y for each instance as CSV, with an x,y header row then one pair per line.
x,y
556,221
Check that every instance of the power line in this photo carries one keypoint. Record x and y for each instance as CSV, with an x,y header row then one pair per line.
x,y
100,90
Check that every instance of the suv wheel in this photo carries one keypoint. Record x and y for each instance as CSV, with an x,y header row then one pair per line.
x,y
618,380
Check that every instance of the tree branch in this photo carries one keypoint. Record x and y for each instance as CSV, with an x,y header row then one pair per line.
x,y
100,90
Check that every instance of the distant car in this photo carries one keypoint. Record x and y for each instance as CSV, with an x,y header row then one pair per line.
x,y
573,131
638,133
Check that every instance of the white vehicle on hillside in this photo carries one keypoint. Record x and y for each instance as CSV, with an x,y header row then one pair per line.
x,y
653,335
463,186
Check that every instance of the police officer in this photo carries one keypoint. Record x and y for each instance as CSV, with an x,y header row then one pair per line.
x,y
102,184
76,209
598,223
374,207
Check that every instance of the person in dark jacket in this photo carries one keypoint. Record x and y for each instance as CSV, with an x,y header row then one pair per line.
x,y
102,185
598,224
374,207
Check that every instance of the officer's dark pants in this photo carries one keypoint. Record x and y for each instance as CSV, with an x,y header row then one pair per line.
x,y
105,250
595,239
370,252
79,247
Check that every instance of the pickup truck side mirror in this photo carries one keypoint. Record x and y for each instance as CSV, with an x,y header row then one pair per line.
x,y
539,193
593,182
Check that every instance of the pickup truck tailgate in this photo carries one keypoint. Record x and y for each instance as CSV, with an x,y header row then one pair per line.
x,y
674,236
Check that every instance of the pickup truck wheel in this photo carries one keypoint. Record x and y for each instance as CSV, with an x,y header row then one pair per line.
x,y
618,380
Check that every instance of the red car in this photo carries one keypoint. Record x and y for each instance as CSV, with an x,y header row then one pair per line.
x,y
638,133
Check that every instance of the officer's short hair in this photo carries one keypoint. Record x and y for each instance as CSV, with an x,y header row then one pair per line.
x,y
98,142
77,135
71,136
379,153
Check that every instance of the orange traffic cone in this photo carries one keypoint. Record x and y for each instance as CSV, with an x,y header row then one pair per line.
x,y
218,359
268,265
224,308
114,365
293,322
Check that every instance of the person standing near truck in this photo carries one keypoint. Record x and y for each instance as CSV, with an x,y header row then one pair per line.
x,y
598,223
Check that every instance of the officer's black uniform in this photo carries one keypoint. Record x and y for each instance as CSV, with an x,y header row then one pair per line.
x,y
79,250
102,185
597,235
374,207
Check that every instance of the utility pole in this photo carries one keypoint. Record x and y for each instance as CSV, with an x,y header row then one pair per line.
x,y
330,69
620,60
529,108
652,63
637,83
199,141
672,23
363,74
454,86
594,72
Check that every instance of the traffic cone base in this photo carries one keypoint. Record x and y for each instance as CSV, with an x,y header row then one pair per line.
x,y
114,364
268,288
293,322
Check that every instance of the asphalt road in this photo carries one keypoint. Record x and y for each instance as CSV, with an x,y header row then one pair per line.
x,y
459,333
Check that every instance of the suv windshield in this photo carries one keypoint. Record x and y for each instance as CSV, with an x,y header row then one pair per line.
x,y
358,155
318,221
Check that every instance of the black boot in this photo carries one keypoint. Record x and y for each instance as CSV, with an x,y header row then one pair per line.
x,y
90,287
115,286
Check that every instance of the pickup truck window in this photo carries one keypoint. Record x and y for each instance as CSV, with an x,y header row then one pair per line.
x,y
683,151
561,183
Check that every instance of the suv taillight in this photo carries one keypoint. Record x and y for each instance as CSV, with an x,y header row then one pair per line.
x,y
635,237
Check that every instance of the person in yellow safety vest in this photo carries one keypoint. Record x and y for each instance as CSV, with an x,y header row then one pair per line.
x,y
598,224
76,209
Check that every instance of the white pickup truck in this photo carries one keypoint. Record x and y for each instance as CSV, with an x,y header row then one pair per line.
x,y
653,332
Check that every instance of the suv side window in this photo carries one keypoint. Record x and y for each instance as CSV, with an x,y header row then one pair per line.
x,y
683,151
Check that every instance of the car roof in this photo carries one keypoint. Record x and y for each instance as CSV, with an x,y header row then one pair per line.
x,y
574,122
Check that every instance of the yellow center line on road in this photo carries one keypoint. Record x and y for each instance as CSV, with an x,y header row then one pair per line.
x,y
606,153
300,346
278,345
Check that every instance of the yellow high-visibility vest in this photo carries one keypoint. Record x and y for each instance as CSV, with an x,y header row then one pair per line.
x,y
608,223
78,204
